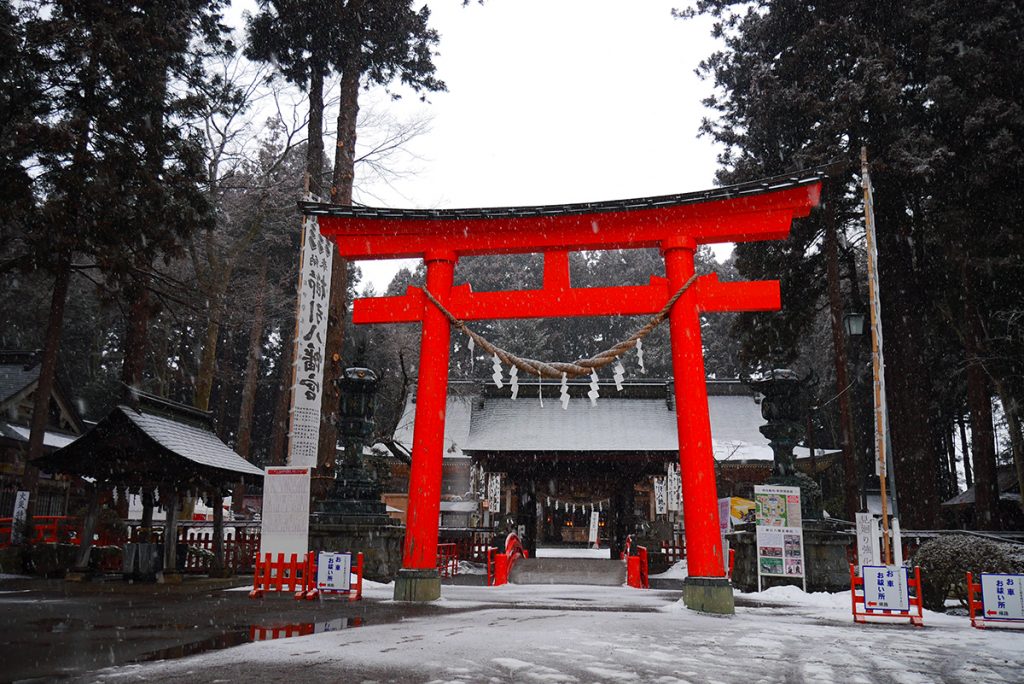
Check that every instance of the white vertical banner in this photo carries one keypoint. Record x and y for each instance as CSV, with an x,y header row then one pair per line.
x,y
19,518
285,517
494,493
867,540
660,502
595,519
309,344
674,488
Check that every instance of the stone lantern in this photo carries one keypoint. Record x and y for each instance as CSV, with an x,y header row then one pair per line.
x,y
785,406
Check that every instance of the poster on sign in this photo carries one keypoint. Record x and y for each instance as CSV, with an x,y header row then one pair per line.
x,y
777,506
886,588
1001,596
334,571
780,551
308,346
285,517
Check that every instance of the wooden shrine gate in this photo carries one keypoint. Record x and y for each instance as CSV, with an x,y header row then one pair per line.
x,y
675,224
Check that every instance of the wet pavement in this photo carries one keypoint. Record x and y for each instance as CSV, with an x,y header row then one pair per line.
x,y
52,629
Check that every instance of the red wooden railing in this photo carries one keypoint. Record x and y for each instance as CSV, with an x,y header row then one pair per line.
x,y
447,560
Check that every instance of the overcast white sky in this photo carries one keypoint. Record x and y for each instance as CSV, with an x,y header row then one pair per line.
x,y
553,101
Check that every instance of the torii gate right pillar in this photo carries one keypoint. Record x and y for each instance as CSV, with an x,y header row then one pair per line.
x,y
706,588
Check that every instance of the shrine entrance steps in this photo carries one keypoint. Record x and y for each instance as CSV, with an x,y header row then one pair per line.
x,y
593,571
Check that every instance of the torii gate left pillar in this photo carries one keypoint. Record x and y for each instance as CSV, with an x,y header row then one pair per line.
x,y
676,225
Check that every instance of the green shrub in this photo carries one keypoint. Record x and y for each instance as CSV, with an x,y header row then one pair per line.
x,y
945,562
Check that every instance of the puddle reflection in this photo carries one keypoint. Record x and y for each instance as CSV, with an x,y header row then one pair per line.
x,y
266,633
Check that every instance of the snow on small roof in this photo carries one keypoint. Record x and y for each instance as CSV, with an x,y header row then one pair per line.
x,y
21,433
190,442
458,506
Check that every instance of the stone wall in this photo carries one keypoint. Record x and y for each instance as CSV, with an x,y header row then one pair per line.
x,y
381,546
825,551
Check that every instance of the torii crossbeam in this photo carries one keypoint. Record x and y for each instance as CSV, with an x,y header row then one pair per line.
x,y
675,224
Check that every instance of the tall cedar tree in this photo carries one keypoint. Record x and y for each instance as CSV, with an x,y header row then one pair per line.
x,y
117,166
366,43
800,84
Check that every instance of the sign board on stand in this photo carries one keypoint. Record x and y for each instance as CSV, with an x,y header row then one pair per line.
x,y
886,588
334,571
780,535
285,517
1002,597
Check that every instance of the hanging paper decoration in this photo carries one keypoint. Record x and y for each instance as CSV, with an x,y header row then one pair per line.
x,y
593,393
640,355
556,504
472,356
618,376
496,364
600,506
564,391
513,379
540,390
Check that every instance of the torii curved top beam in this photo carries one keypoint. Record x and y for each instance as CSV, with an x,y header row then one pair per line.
x,y
759,210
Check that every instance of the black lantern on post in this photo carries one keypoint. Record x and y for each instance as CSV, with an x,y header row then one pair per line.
x,y
358,390
785,408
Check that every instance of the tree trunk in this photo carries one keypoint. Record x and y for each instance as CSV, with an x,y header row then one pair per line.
x,y
986,490
252,367
208,359
341,193
92,515
169,501
136,337
217,567
850,502
44,388
911,420
315,146
279,435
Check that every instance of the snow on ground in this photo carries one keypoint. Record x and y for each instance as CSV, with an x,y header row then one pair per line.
x,y
561,633
677,571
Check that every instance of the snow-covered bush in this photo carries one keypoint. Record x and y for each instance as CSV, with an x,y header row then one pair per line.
x,y
945,562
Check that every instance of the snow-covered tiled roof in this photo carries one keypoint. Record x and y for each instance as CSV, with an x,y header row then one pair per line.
x,y
456,424
15,377
192,442
53,439
481,421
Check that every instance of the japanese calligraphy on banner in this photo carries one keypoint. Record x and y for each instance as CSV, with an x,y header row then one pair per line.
x,y
20,516
494,493
334,571
674,488
1001,596
309,351
777,506
660,503
885,587
867,540
285,517
595,521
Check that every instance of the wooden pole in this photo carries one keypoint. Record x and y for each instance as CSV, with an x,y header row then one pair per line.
x,y
877,362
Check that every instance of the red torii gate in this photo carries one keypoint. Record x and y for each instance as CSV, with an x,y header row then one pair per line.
x,y
675,224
